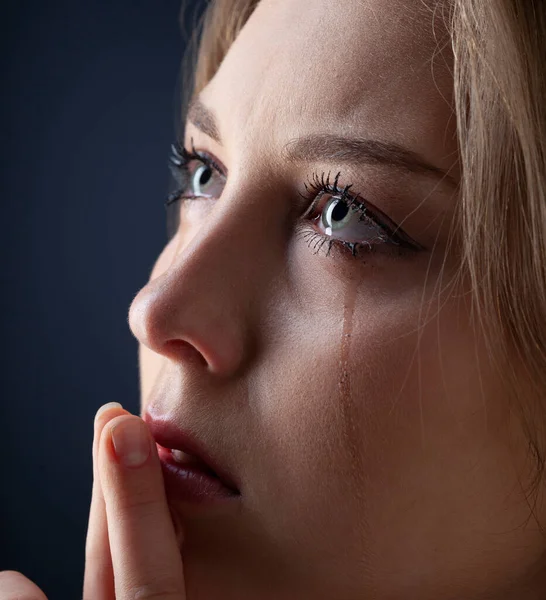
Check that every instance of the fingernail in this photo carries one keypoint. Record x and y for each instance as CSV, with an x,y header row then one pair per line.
x,y
131,442
106,407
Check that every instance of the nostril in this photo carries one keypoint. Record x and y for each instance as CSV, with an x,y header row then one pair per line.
x,y
181,350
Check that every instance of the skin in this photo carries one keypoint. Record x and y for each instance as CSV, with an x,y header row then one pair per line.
x,y
351,397
407,487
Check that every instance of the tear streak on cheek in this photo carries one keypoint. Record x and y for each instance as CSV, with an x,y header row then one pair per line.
x,y
347,332
352,444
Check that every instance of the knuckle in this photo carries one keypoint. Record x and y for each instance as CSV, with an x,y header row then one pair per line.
x,y
140,501
160,589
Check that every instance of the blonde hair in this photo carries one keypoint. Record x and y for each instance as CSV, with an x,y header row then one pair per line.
x,y
500,90
499,52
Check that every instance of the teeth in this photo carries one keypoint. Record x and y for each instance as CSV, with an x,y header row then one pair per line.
x,y
188,459
181,457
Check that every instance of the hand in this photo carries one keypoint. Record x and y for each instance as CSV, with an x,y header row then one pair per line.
x,y
132,551
15,586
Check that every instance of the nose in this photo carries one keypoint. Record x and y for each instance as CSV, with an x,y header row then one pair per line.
x,y
200,308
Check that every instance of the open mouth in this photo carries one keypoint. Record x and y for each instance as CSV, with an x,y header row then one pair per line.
x,y
184,458
182,453
189,479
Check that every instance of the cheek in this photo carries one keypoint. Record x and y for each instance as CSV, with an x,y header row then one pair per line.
x,y
343,402
319,390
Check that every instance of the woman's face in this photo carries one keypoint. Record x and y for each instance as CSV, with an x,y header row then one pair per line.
x,y
343,386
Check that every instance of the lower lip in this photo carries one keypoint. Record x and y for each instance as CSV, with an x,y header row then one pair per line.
x,y
189,483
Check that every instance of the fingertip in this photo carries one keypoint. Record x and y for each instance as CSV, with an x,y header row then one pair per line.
x,y
131,442
107,439
106,407
14,584
105,414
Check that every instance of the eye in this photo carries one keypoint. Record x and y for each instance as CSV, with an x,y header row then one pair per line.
x,y
194,175
341,220
205,182
199,179
337,217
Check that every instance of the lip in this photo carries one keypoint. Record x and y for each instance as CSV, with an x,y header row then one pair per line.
x,y
191,484
192,478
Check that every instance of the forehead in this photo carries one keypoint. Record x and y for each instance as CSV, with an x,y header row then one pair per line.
x,y
375,68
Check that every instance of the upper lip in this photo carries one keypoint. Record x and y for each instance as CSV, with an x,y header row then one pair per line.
x,y
166,433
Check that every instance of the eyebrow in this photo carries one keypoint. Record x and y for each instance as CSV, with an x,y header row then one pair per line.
x,y
203,118
327,147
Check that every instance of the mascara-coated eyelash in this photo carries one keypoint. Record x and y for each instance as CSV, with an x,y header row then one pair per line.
x,y
386,233
179,160
381,232
181,157
194,174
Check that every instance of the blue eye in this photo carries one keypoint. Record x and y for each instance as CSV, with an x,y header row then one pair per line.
x,y
335,215
205,182
344,221
341,218
201,177
196,175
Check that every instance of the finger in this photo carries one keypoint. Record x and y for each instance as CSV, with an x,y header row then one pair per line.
x,y
15,586
98,583
145,554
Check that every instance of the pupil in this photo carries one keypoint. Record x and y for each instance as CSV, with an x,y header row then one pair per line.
x,y
205,177
340,211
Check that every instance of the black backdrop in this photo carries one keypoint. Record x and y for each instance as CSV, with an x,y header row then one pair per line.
x,y
88,102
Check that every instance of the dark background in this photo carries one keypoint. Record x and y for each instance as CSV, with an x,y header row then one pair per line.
x,y
89,98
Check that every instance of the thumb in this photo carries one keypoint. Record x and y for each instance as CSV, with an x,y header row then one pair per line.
x,y
14,586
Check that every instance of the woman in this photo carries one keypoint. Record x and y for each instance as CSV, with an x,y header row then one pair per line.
x,y
347,324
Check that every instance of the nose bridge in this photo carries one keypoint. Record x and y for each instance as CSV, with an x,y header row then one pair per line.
x,y
208,296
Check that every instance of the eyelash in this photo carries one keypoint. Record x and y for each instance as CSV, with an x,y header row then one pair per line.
x,y
315,189
179,161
